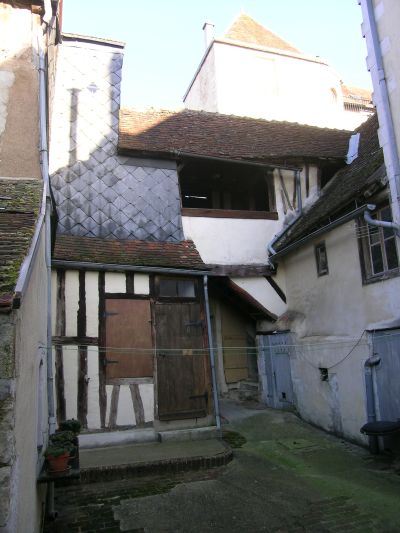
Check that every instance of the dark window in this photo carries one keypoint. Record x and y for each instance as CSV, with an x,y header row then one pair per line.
x,y
222,186
321,259
378,247
176,288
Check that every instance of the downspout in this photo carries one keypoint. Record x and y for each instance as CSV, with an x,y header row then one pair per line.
x,y
380,223
385,116
44,164
212,357
369,389
270,245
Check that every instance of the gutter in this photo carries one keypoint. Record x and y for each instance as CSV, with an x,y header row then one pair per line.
x,y
83,265
328,227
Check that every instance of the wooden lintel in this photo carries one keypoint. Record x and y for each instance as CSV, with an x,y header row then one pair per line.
x,y
75,341
228,213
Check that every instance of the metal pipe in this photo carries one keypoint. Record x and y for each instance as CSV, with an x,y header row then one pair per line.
x,y
386,125
44,164
299,198
212,356
370,395
83,265
345,218
380,223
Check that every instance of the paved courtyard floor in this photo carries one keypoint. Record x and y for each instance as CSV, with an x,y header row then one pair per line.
x,y
286,476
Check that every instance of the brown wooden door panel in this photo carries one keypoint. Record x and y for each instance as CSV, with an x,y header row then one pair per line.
x,y
182,387
128,339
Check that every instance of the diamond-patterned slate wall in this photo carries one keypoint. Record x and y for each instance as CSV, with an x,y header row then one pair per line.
x,y
97,192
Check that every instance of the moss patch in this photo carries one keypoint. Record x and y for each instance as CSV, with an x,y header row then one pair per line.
x,y
233,438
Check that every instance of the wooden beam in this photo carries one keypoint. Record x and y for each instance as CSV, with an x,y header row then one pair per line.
x,y
60,331
228,213
137,404
112,420
82,354
130,282
240,270
102,354
75,341
276,288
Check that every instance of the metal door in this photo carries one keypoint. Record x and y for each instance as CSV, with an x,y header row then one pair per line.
x,y
386,345
275,370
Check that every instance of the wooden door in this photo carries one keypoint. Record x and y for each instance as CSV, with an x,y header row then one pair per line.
x,y
182,372
128,339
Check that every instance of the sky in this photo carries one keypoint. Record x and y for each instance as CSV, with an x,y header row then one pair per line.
x,y
165,42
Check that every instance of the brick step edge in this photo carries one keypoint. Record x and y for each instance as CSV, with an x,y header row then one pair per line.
x,y
110,473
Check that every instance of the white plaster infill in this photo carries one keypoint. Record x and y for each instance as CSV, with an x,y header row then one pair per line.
x,y
117,438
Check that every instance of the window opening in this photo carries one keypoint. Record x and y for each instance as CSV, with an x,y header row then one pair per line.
x,y
321,259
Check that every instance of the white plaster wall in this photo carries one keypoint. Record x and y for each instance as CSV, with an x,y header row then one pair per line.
x,y
70,364
267,85
387,15
126,415
230,241
115,282
53,301
262,291
202,94
27,496
142,283
71,302
92,303
333,311
93,414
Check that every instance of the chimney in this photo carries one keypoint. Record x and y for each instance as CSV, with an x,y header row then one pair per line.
x,y
208,29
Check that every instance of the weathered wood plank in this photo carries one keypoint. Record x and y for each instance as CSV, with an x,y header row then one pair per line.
x,y
307,172
137,404
130,381
82,354
75,341
283,186
276,288
130,282
228,213
112,421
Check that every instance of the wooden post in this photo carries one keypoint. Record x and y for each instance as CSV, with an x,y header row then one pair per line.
x,y
60,331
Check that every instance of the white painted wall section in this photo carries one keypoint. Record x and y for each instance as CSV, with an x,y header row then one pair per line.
x,y
142,284
71,302
93,415
92,303
262,291
70,364
115,282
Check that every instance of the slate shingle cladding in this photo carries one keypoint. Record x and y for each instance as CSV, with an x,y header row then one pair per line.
x,y
167,133
135,253
98,193
20,201
365,172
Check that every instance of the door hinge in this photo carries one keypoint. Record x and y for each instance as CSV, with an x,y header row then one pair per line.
x,y
110,362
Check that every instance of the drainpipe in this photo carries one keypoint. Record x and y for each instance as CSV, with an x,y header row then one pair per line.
x,y
270,245
384,112
212,356
380,223
44,163
369,389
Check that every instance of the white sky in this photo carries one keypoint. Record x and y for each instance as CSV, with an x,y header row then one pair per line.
x,y
164,38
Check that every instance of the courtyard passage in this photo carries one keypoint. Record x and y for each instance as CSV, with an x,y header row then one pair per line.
x,y
286,476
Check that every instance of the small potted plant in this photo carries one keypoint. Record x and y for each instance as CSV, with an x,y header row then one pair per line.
x,y
57,458
64,439
71,425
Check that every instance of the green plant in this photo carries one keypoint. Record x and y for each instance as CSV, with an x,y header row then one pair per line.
x,y
71,425
64,439
55,451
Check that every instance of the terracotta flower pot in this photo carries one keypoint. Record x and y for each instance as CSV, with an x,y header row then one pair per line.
x,y
58,463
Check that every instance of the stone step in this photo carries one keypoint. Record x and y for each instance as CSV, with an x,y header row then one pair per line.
x,y
209,432
117,438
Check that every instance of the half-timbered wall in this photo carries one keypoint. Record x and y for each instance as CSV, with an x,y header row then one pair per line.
x,y
127,354
76,330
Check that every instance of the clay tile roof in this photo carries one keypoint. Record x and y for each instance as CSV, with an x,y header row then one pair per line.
x,y
161,133
20,201
134,253
366,173
356,93
247,30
